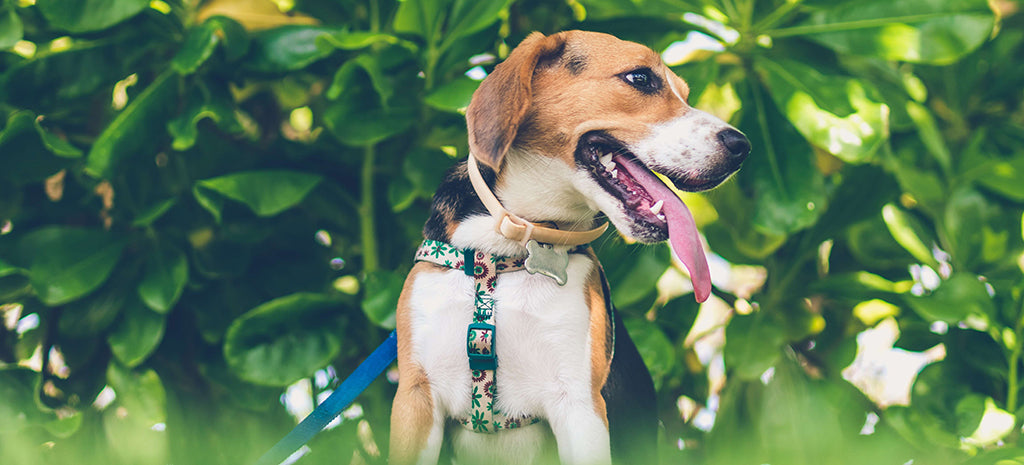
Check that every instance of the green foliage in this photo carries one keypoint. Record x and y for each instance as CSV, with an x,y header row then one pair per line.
x,y
202,202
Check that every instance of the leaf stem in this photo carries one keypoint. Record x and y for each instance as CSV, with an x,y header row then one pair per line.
x,y
730,8
374,16
762,121
747,16
777,16
853,25
367,221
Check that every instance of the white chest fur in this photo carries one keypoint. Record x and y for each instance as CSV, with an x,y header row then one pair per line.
x,y
542,338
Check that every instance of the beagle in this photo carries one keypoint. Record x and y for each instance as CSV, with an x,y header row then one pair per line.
x,y
509,350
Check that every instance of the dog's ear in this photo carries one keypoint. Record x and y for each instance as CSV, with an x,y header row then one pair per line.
x,y
501,101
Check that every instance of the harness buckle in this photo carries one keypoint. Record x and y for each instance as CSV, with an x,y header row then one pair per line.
x,y
480,347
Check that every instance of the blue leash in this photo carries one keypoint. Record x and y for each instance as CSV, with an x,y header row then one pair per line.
x,y
355,384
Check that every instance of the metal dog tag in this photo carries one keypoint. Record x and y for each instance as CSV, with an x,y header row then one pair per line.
x,y
548,261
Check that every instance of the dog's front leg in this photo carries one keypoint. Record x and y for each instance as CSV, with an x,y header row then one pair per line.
x,y
417,427
581,433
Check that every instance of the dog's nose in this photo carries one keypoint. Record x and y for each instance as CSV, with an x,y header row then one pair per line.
x,y
736,143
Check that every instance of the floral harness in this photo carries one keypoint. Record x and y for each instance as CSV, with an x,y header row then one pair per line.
x,y
484,416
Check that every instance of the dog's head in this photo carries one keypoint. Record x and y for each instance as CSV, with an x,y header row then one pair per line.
x,y
611,112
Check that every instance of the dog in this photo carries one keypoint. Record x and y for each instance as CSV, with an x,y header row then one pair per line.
x,y
505,322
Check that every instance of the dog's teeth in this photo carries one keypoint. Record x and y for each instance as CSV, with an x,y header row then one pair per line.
x,y
656,208
607,163
661,216
615,173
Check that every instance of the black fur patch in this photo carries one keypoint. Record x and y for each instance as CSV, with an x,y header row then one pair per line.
x,y
454,201
576,64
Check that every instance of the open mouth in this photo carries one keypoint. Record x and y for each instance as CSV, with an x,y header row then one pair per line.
x,y
611,165
655,211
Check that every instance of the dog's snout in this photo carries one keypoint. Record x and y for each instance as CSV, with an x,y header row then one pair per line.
x,y
735,142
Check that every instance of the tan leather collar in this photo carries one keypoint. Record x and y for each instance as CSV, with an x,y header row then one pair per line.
x,y
510,225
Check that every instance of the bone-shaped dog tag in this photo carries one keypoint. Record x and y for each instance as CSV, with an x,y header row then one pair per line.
x,y
548,261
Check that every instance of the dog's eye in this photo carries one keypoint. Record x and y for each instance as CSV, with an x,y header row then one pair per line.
x,y
642,79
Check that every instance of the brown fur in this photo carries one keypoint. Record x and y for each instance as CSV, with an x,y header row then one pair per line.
x,y
600,351
550,83
413,409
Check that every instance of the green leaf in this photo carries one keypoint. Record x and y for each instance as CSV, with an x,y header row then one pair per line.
x,y
65,427
357,40
975,228
11,29
753,345
266,193
734,236
29,153
198,47
862,192
151,214
769,417
858,285
655,348
164,277
422,17
834,113
909,233
7,269
137,130
53,81
930,134
88,15
287,48
401,195
453,96
284,339
788,189
916,336
130,421
469,16
380,299
969,411
1004,177
920,31
202,41
360,112
137,334
961,298
873,246
94,313
209,200
371,66
19,410
423,171
357,125
923,185
637,269
789,399
939,387
67,263
246,395
442,23
1007,455
211,100
617,10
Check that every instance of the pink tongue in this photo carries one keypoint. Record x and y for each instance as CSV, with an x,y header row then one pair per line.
x,y
682,230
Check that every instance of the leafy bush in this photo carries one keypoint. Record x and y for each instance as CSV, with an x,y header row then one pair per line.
x,y
204,202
